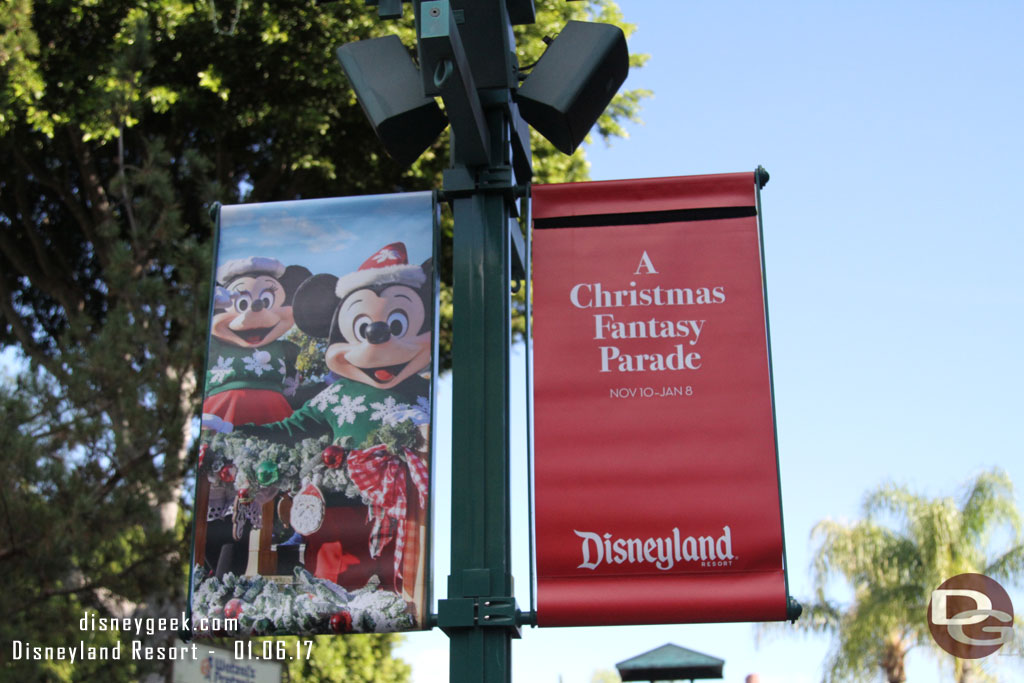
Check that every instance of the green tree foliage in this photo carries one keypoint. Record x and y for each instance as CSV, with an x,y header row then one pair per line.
x,y
904,548
73,539
355,658
121,123
605,676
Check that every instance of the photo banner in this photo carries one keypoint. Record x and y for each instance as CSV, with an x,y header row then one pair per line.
x,y
313,492
656,474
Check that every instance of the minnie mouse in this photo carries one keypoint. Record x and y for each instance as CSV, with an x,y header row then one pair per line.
x,y
250,377
253,373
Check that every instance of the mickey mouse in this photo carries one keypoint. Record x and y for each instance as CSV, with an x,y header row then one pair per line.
x,y
252,369
378,322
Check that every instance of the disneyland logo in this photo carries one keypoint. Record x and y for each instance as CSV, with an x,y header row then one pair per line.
x,y
661,552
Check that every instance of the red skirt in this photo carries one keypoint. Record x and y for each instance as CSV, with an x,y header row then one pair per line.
x,y
248,406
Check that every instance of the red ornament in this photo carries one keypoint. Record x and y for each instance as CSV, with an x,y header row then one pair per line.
x,y
333,456
244,496
227,474
341,622
203,450
233,609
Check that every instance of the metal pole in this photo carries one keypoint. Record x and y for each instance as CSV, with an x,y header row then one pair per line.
x,y
479,614
467,57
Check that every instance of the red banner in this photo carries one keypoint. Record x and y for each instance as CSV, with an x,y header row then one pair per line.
x,y
657,489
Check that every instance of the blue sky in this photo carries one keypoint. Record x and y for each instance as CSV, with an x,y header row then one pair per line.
x,y
333,236
893,247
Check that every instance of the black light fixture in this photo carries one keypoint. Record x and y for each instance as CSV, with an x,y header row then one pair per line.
x,y
562,97
390,91
575,79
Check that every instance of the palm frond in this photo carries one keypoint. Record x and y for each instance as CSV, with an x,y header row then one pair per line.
x,y
892,559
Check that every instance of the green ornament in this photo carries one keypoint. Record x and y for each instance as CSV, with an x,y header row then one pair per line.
x,y
266,472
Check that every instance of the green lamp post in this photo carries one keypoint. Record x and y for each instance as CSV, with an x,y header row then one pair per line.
x,y
467,58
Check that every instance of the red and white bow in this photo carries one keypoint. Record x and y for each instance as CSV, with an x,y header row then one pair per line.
x,y
381,476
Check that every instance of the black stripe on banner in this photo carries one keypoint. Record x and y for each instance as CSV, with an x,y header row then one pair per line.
x,y
602,220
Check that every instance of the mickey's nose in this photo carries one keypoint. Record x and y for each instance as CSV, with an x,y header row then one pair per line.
x,y
378,333
257,306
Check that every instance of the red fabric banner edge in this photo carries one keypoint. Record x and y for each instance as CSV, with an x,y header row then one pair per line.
x,y
669,599
643,194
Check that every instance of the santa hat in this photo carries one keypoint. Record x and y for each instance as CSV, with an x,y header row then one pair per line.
x,y
388,266
254,265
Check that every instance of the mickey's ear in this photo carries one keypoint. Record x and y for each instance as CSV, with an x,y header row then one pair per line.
x,y
292,278
314,305
427,288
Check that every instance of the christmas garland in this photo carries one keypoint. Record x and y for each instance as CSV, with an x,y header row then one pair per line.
x,y
252,463
307,605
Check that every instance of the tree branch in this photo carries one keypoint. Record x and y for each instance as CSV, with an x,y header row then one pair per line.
x,y
48,181
26,340
102,209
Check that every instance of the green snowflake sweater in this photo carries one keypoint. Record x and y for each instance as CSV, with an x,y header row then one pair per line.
x,y
269,367
348,408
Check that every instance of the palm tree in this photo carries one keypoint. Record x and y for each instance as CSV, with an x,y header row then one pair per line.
x,y
893,559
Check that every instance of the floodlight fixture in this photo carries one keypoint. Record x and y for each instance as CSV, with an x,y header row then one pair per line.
x,y
575,79
390,91
447,72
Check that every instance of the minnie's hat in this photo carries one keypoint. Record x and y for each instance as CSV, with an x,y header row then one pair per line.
x,y
388,266
253,265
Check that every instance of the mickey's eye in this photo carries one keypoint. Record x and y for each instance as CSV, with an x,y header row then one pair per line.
x,y
267,299
361,327
398,323
242,303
